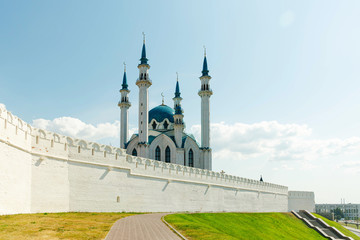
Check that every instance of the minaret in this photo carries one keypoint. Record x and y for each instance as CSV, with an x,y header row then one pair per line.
x,y
143,82
205,94
178,116
124,105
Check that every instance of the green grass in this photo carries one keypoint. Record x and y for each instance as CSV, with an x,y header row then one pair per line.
x,y
339,227
75,226
249,226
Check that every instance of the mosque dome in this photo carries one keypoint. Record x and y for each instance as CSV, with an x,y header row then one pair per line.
x,y
160,113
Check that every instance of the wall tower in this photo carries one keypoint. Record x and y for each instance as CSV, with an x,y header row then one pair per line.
x,y
143,82
205,94
124,105
178,116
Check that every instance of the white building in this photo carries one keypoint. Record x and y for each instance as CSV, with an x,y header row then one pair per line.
x,y
161,134
351,211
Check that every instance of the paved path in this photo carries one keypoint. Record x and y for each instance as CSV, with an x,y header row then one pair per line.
x,y
140,227
354,230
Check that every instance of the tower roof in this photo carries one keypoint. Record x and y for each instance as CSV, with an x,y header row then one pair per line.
x,y
124,83
177,89
143,59
205,71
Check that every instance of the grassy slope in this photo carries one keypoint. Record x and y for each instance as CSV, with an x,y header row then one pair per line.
x,y
348,225
57,225
224,226
339,227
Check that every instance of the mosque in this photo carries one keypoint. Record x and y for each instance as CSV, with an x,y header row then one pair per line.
x,y
161,134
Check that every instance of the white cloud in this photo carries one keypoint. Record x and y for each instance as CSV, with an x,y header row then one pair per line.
x,y
76,128
274,141
350,166
287,18
231,143
2,106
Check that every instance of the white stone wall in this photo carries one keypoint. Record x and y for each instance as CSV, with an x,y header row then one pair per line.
x,y
301,200
15,164
41,171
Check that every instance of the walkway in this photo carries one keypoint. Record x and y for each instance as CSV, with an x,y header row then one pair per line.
x,y
354,230
140,227
320,225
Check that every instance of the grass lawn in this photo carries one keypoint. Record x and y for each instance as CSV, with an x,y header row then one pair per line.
x,y
339,227
249,226
57,225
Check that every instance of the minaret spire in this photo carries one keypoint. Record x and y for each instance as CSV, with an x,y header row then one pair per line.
x,y
143,59
124,84
205,94
205,71
177,88
124,105
178,116
143,82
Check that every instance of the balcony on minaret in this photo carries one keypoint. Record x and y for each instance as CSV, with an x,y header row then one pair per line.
x,y
144,78
205,91
124,99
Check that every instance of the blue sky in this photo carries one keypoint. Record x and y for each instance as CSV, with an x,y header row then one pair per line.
x,y
285,77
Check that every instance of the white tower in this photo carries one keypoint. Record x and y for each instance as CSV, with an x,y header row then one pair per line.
x,y
124,105
143,82
205,94
178,116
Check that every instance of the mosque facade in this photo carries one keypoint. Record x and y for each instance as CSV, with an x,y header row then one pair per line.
x,y
161,131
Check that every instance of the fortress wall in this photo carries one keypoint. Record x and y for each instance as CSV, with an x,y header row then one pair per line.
x,y
49,185
47,172
138,193
301,200
15,164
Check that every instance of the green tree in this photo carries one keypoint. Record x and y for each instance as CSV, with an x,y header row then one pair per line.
x,y
338,213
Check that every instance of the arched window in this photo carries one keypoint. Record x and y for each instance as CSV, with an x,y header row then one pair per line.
x,y
134,152
154,125
167,154
191,158
157,153
166,125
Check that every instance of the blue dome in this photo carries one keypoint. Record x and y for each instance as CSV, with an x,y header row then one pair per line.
x,y
161,112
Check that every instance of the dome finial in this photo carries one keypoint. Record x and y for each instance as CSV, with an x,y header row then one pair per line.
x,y
124,67
204,51
177,76
162,95
143,37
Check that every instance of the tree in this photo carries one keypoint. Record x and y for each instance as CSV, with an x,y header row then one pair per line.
x,y
338,213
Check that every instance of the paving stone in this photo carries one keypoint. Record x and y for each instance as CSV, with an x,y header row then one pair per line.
x,y
142,226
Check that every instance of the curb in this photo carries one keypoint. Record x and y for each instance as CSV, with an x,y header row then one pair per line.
x,y
171,227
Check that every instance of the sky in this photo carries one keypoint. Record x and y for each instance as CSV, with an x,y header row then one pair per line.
x,y
285,77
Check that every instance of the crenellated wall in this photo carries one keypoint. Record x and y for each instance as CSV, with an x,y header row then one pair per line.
x,y
301,200
41,171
